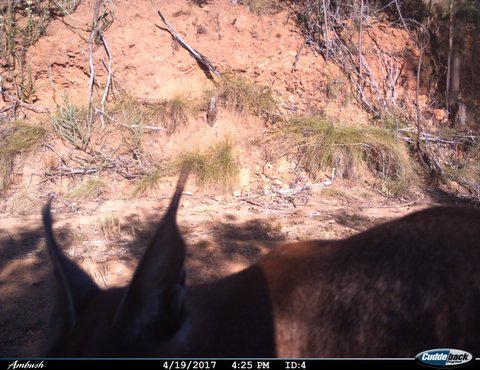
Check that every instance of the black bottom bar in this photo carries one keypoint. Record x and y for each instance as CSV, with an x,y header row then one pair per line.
x,y
213,364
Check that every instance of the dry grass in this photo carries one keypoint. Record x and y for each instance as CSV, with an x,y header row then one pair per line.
x,y
148,182
170,114
16,139
263,6
22,202
465,171
215,169
110,227
132,112
89,188
355,152
177,111
244,97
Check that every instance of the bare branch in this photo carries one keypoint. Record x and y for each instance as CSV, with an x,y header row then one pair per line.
x,y
194,53
109,78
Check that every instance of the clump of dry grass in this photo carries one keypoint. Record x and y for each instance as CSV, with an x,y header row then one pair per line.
x,y
171,114
87,189
110,227
352,151
464,171
148,182
177,111
22,202
14,140
216,168
243,97
133,112
263,6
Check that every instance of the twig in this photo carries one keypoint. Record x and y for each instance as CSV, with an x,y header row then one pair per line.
x,y
91,82
70,171
130,126
360,32
28,106
297,56
325,16
143,126
194,53
109,78
449,60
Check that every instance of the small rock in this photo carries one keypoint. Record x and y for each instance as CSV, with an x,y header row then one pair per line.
x,y
283,165
244,177
439,115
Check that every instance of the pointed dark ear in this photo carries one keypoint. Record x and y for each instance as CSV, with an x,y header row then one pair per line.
x,y
73,285
153,302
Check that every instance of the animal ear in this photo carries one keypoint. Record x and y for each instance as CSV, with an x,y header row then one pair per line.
x,y
73,286
153,302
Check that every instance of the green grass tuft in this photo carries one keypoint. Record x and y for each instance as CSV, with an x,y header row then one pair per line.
x,y
244,97
70,123
177,111
171,113
351,150
88,188
215,168
111,227
148,182
15,140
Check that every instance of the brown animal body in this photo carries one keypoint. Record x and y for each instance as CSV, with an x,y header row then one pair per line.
x,y
393,291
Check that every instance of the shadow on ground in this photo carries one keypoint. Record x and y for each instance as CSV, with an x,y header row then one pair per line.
x,y
22,292
25,271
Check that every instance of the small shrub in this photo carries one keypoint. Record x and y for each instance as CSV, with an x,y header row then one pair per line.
x,y
70,123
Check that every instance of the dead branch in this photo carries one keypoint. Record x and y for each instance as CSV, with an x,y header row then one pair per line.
x,y
129,126
360,57
194,53
449,60
459,138
421,46
297,56
109,78
17,102
100,23
325,16
71,171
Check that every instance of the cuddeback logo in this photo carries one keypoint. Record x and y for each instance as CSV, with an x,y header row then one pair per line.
x,y
444,357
